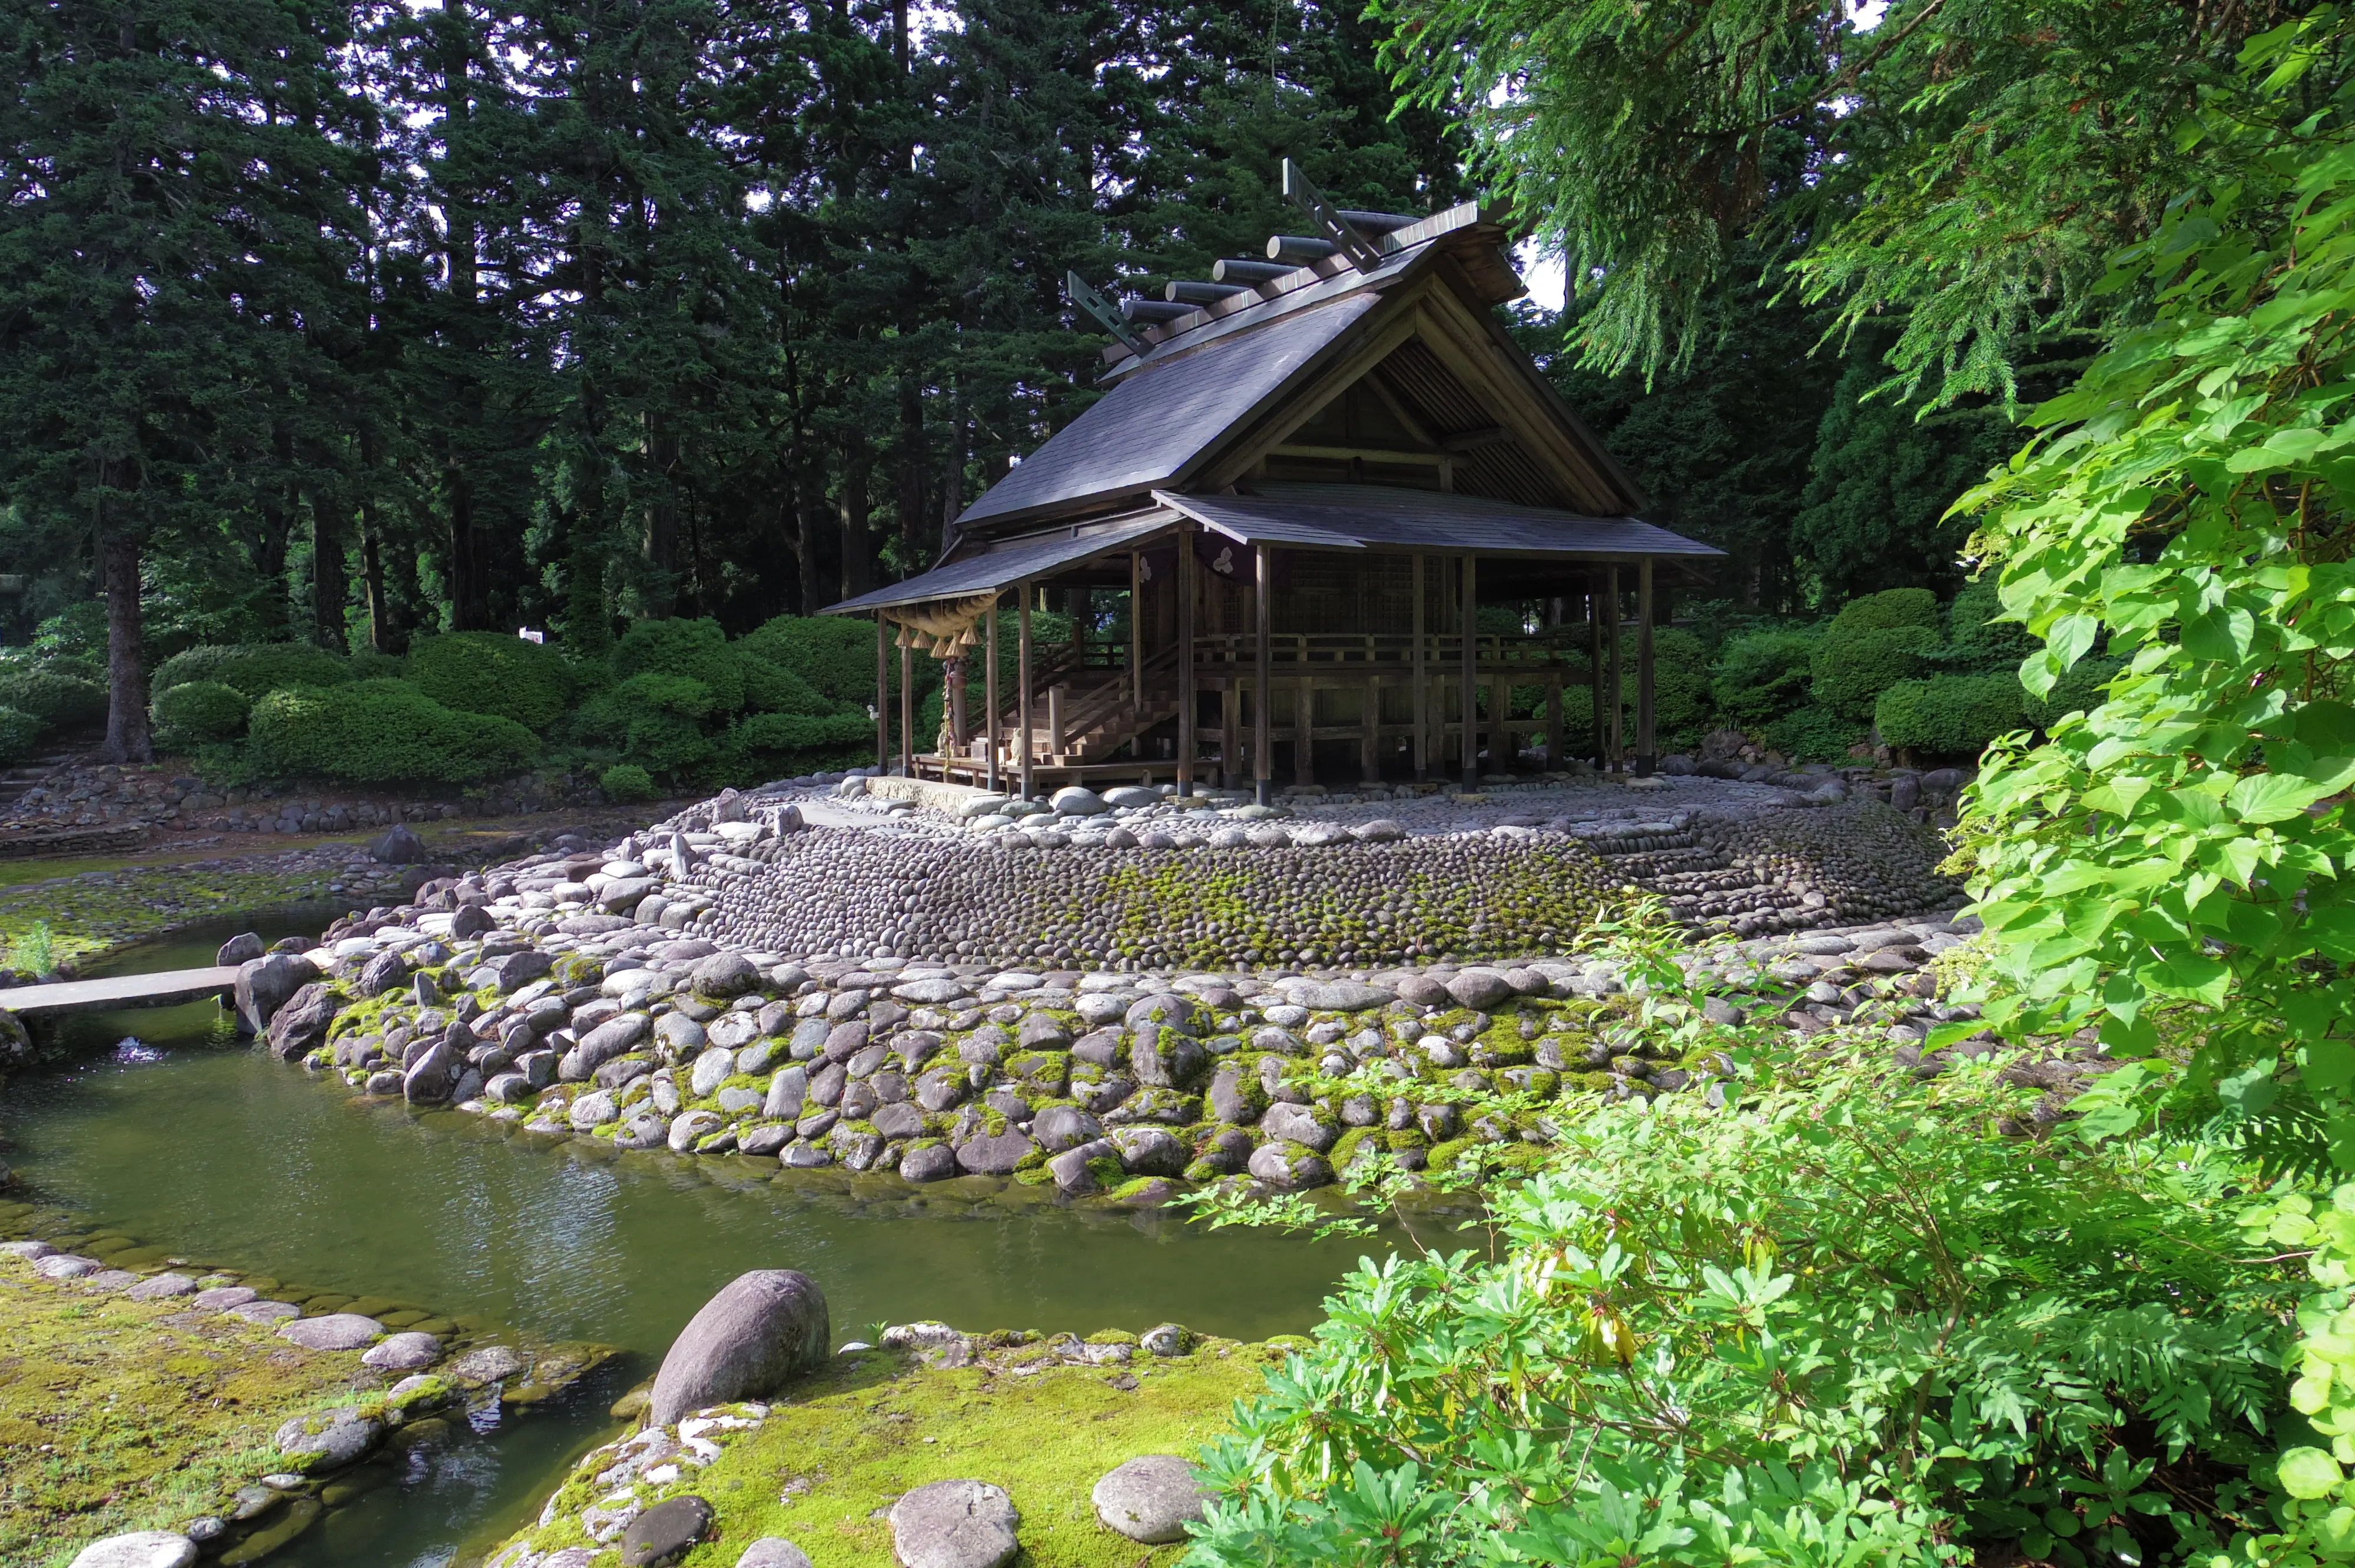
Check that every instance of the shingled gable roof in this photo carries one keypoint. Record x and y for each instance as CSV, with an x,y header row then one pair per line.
x,y
1149,430
1211,381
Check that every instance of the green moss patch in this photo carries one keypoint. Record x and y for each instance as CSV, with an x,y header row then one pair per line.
x,y
112,1420
842,1447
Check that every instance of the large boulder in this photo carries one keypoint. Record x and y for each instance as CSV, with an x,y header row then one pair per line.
x,y
401,846
242,949
994,1155
266,984
955,1524
140,1549
384,972
299,1027
1150,1498
327,1441
666,1532
762,1329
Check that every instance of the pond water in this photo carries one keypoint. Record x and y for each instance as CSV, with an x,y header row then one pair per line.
x,y
226,1156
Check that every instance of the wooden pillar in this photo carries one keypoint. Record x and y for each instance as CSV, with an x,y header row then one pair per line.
x,y
1594,673
959,724
1470,612
1369,756
1614,747
1556,750
1500,723
990,693
1647,749
1137,632
882,694
907,711
1304,732
1263,679
1022,686
1230,727
1055,722
1421,678
1185,693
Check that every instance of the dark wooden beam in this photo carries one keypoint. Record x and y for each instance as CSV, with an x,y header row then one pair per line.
x,y
1298,250
1647,744
1022,681
1472,441
989,674
1203,294
1239,272
1264,680
1471,674
1187,695
882,695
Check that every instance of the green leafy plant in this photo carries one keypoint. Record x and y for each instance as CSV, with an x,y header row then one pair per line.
x,y
1847,1321
36,952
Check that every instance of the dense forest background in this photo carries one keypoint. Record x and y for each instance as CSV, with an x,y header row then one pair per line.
x,y
347,322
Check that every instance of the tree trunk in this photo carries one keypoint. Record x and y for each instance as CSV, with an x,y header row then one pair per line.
x,y
127,739
912,471
384,632
467,610
857,549
662,520
329,584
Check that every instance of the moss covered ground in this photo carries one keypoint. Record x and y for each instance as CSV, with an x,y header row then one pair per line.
x,y
118,1414
841,1446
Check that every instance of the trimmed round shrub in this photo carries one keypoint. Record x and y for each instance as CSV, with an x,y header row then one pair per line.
x,y
771,688
625,783
367,664
2079,690
1814,735
257,669
834,653
1948,716
19,733
787,734
198,713
56,700
485,673
664,743
696,650
1893,608
1853,668
382,732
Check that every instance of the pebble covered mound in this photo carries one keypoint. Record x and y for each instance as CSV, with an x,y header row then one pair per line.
x,y
1078,889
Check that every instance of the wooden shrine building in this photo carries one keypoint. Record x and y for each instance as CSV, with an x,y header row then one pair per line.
x,y
1307,477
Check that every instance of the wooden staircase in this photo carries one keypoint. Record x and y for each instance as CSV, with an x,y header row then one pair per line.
x,y
1080,718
